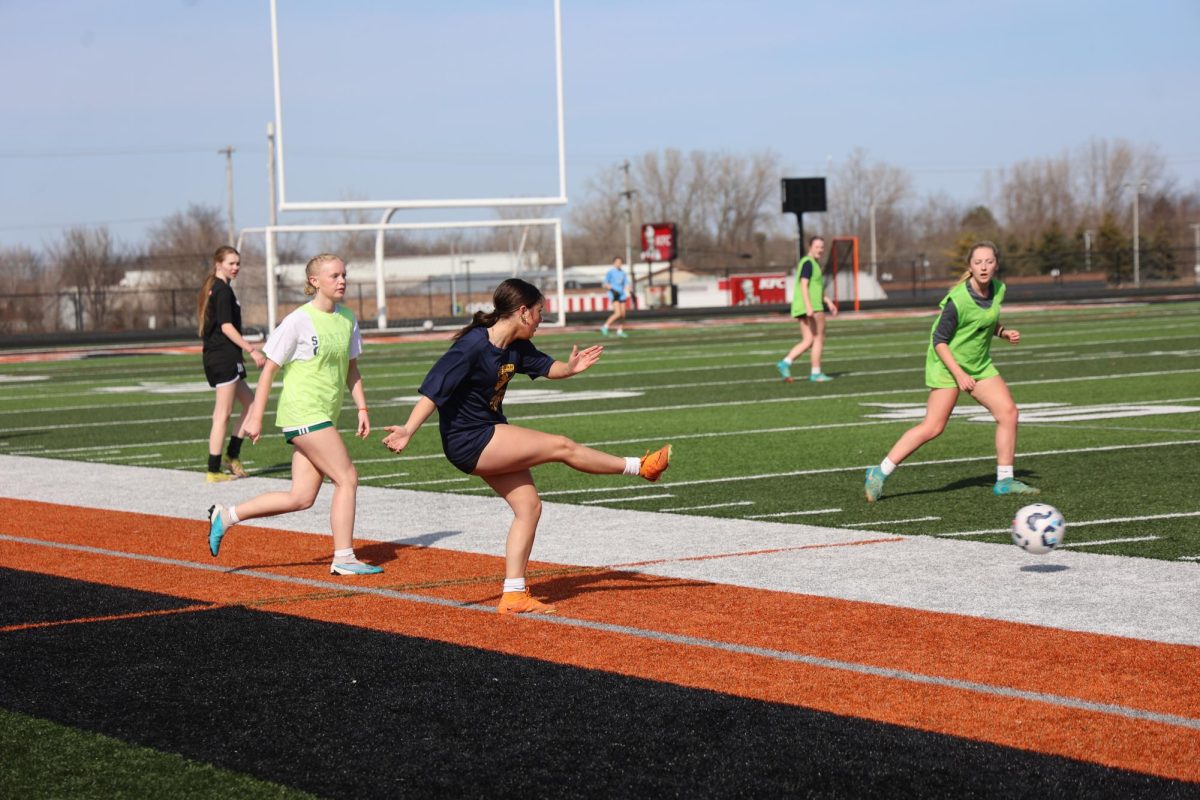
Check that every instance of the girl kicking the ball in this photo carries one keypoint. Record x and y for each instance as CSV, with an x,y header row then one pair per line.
x,y
959,360
466,387
317,345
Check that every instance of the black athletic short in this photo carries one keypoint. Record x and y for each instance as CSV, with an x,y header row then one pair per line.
x,y
223,368
463,448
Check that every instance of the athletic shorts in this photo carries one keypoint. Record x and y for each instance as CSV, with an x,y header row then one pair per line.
x,y
463,448
292,433
616,296
223,368
938,377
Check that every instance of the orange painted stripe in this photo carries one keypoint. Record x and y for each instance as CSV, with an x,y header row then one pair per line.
x,y
24,626
1104,669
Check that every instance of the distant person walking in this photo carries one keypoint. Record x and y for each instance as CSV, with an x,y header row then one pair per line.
x,y
959,360
616,281
317,346
808,307
466,387
219,318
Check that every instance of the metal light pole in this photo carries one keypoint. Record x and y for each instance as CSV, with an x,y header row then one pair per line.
x,y
228,151
1138,188
1087,251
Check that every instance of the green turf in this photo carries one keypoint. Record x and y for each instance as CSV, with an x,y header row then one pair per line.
x,y
742,435
39,759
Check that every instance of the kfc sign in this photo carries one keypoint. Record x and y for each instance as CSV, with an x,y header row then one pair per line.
x,y
752,290
658,241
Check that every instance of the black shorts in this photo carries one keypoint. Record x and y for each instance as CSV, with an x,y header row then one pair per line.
x,y
223,368
463,448
616,296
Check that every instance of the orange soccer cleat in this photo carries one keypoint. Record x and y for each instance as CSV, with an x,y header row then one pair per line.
x,y
656,463
523,603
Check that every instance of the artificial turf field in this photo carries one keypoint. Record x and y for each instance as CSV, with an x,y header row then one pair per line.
x,y
748,625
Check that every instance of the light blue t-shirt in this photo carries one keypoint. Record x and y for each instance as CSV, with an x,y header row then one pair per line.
x,y
618,282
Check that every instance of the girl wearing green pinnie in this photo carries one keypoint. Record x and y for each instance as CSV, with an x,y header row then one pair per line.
x,y
317,347
959,360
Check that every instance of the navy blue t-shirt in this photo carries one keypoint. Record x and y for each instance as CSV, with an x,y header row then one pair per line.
x,y
467,384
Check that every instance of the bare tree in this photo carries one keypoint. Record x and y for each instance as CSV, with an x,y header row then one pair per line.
x,y
180,247
854,187
89,263
598,222
27,311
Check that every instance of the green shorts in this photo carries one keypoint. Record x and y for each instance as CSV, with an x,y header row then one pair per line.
x,y
938,377
292,433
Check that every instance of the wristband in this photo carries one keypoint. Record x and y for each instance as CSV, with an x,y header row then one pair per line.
x,y
364,408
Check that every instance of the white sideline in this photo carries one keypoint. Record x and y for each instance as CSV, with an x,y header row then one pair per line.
x,y
1115,595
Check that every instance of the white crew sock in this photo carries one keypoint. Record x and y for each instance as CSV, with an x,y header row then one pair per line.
x,y
1003,472
887,467
816,370
787,361
514,585
633,465
344,555
230,517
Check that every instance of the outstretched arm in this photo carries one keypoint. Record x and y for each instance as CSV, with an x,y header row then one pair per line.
x,y
579,361
399,435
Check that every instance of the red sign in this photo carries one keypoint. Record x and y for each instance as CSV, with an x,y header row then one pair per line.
x,y
658,241
752,290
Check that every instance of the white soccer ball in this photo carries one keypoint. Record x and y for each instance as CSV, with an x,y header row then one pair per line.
x,y
427,324
1038,528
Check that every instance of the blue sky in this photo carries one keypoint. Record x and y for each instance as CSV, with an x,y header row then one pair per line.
x,y
113,110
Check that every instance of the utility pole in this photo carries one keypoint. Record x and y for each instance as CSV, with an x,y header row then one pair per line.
x,y
1087,251
627,196
1138,187
228,151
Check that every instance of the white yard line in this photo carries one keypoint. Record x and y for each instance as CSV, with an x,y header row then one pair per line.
x,y
626,499
809,512
710,505
1111,541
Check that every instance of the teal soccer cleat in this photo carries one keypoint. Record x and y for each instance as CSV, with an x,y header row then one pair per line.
x,y
1014,486
785,370
873,485
216,528
354,568
819,377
